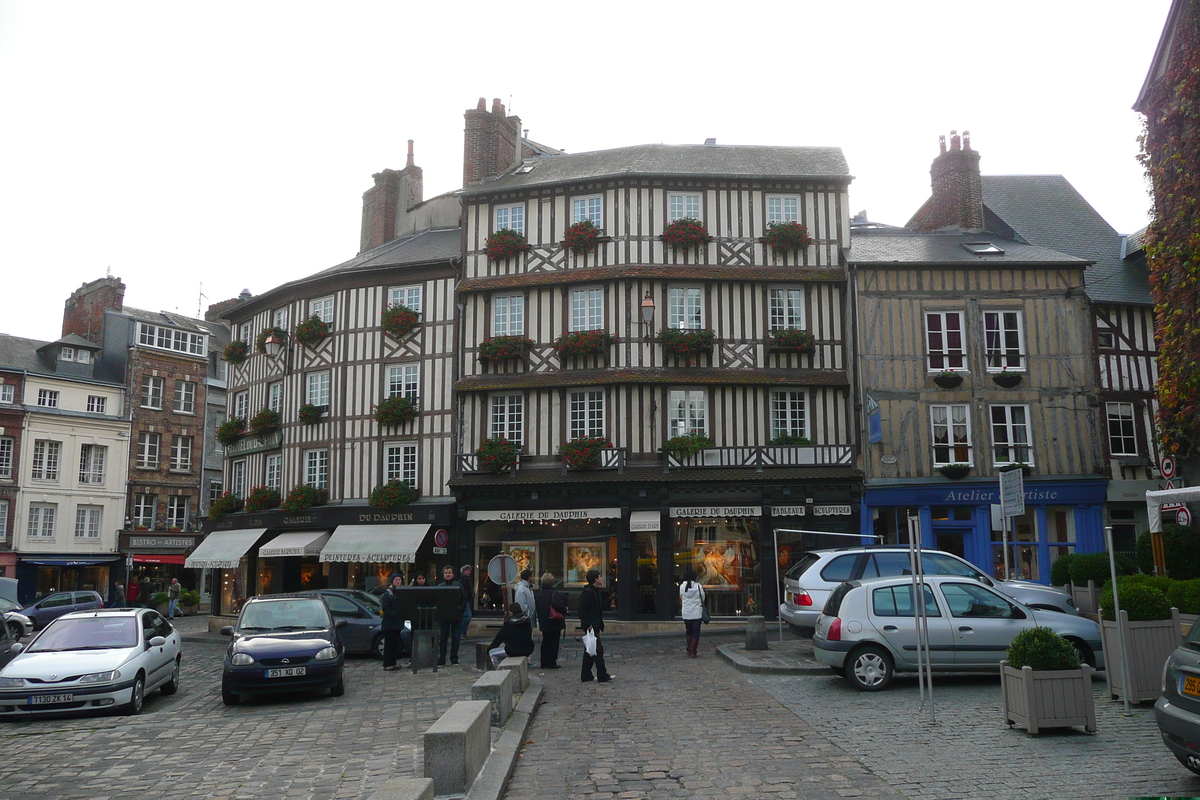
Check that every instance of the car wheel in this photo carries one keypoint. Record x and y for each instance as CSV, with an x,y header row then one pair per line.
x,y
339,688
870,669
1085,654
228,697
134,706
377,646
15,630
172,686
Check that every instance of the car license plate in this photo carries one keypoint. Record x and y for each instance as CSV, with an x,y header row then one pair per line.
x,y
286,672
787,597
50,699
1191,685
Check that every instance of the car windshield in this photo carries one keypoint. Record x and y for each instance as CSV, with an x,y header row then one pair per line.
x,y
87,633
284,615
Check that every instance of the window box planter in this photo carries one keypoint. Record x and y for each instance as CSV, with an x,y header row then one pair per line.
x,y
791,440
793,339
955,471
392,494
784,236
260,343
584,452
498,455
236,352
312,331
304,496
584,343
262,499
505,243
310,414
264,423
231,430
1057,698
228,503
687,445
948,379
582,237
395,411
1025,469
399,321
684,233
504,348
1148,644
1006,380
686,344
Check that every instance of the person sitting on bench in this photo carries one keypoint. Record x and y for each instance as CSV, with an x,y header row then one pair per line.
x,y
515,637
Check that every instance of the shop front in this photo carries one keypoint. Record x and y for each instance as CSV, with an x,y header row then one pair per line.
x,y
158,559
1060,517
39,575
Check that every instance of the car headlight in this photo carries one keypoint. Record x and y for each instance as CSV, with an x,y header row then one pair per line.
x,y
100,677
326,654
241,660
11,683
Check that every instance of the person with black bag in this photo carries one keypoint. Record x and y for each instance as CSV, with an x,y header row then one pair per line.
x,y
392,623
552,620
591,619
691,595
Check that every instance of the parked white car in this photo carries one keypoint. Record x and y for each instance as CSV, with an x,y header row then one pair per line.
x,y
92,661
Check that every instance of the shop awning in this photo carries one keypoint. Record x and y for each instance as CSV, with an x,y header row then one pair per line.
x,y
82,561
546,514
223,549
375,543
645,521
153,558
295,543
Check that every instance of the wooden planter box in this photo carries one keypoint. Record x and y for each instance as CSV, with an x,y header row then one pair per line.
x,y
1036,699
1148,645
1087,598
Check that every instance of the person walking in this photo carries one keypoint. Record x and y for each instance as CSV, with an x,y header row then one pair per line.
x,y
117,598
174,591
419,580
469,589
131,593
591,617
523,594
392,623
692,596
515,637
551,625
451,631
145,593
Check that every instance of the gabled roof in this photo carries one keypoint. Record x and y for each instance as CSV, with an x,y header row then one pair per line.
x,y
676,160
1046,210
888,247
40,358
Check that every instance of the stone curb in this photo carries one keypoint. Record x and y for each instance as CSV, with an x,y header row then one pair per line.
x,y
732,655
490,783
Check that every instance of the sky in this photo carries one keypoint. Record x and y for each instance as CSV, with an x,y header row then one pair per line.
x,y
196,149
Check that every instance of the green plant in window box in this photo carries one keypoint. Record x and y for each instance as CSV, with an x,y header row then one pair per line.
x,y
503,348
399,321
231,430
395,411
685,232
310,414
955,471
505,243
260,342
784,236
265,422
228,503
583,452
686,445
236,352
262,498
794,338
1006,379
686,344
302,497
310,332
948,379
584,343
791,439
392,495
582,237
497,455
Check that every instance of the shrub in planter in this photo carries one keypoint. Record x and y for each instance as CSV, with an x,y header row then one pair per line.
x,y
795,338
503,348
686,344
791,439
1140,601
159,599
505,243
1185,595
685,232
228,503
398,321
260,342
584,343
1041,649
1094,567
948,379
231,430
310,414
1043,684
189,598
236,351
311,331
264,422
583,452
687,445
784,236
1181,551
392,494
581,237
498,455
262,498
302,497
395,411
1060,570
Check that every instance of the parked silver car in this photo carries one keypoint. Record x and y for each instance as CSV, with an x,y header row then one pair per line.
x,y
1177,711
808,583
867,630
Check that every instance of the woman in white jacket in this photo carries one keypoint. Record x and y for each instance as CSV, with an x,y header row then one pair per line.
x,y
692,596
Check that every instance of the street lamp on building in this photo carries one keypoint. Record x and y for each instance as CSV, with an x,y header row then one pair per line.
x,y
273,344
648,315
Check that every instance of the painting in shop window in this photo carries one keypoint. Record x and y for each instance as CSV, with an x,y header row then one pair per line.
x,y
718,564
581,557
525,554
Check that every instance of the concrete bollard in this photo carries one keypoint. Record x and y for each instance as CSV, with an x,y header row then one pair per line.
x,y
482,662
520,666
497,688
405,789
457,745
756,633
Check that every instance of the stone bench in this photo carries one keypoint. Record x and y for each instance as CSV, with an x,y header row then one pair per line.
x,y
520,666
497,688
457,746
405,789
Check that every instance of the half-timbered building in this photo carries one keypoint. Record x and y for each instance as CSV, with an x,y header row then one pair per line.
x,y
678,386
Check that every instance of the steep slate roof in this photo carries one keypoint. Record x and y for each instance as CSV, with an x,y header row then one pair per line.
x,y
420,248
907,248
25,354
681,160
1047,210
173,319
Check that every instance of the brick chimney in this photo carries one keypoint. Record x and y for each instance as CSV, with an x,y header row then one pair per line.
x,y
83,313
491,143
957,199
393,194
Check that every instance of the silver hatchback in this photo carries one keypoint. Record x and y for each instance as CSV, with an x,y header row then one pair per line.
x,y
1178,709
867,630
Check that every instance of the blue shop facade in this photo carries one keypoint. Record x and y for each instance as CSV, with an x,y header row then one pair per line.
x,y
961,517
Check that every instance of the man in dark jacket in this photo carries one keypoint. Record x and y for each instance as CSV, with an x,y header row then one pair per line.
x,y
591,616
552,629
117,598
515,637
393,621
451,631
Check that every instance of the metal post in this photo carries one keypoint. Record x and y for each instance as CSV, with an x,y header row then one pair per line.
x,y
920,617
1112,570
1007,573
778,583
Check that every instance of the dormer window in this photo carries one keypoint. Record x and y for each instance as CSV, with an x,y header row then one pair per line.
x,y
66,354
982,248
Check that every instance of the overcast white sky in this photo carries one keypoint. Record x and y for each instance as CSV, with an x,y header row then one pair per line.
x,y
210,147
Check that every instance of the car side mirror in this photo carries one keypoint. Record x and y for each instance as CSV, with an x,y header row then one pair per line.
x,y
16,648
341,623
227,630
158,641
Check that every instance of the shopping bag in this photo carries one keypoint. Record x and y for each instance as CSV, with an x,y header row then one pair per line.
x,y
589,642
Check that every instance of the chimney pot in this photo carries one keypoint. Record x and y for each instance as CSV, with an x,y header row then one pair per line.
x,y
942,143
966,140
410,153
482,105
955,142
497,107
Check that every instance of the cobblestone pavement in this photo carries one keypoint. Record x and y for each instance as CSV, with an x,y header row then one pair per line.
x,y
191,746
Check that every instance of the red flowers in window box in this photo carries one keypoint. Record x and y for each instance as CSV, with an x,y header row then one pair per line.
x,y
304,496
784,236
395,411
581,237
584,343
794,337
264,422
505,243
311,331
685,232
498,455
503,348
583,452
231,430
686,344
399,321
392,494
228,503
261,499
236,351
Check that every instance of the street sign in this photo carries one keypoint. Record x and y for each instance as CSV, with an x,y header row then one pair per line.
x,y
1012,493
1183,516
1166,465
502,569
440,537
439,551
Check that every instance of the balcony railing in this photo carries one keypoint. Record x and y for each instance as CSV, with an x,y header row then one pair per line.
x,y
759,457
610,458
469,462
